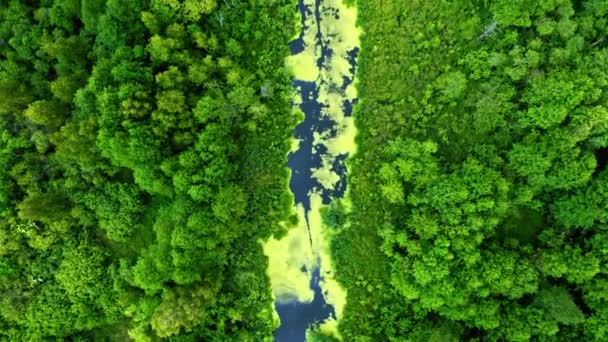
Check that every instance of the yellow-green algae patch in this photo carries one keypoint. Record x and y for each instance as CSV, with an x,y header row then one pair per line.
x,y
304,64
297,101
344,38
329,327
333,293
295,144
326,177
287,257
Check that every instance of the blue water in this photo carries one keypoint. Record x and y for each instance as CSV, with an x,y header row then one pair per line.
x,y
297,317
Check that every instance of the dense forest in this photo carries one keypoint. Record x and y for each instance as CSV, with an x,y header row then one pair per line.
x,y
479,192
142,152
142,162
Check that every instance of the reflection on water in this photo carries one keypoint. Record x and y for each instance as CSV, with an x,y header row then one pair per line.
x,y
296,317
323,63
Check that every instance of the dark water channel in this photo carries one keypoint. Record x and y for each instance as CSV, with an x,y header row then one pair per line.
x,y
297,317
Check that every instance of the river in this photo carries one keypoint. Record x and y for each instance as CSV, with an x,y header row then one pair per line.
x,y
323,62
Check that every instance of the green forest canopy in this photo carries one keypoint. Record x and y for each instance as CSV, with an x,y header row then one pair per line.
x,y
142,151
142,146
480,190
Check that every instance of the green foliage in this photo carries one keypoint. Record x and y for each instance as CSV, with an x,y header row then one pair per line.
x,y
558,304
181,309
133,191
46,113
334,216
478,190
16,96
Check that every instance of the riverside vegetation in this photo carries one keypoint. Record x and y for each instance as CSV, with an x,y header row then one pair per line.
x,y
478,195
142,152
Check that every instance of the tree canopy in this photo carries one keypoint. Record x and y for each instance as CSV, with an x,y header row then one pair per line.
x,y
140,167
478,192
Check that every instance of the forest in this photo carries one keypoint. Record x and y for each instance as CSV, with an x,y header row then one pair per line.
x,y
478,197
142,152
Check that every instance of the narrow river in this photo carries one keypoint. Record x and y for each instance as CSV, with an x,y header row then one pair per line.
x,y
323,62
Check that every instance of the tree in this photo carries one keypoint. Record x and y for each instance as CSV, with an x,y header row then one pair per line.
x,y
82,271
558,304
193,9
46,113
172,101
45,207
15,94
49,314
181,309
119,209
64,87
91,10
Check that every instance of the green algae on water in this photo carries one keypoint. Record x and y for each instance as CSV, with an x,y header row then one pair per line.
x,y
306,246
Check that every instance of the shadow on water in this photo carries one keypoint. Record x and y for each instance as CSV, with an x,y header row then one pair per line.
x,y
297,317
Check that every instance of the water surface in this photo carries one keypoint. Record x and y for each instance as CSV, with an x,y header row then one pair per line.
x,y
323,62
